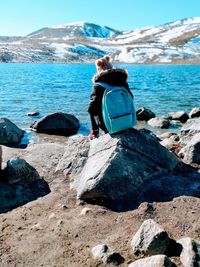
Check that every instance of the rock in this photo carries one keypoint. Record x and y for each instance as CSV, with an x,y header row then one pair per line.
x,y
10,134
191,152
36,227
19,170
57,123
172,143
153,261
106,254
52,216
131,158
33,113
167,135
0,157
75,156
159,123
85,211
144,114
22,184
190,254
194,113
150,239
44,157
181,116
168,143
189,129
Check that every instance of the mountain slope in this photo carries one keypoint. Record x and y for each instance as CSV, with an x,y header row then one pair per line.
x,y
175,42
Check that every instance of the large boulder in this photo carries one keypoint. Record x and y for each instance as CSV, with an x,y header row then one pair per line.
x,y
44,157
21,184
57,123
118,166
19,170
10,134
150,239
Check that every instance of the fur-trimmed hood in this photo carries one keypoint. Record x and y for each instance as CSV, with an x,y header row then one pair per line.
x,y
112,77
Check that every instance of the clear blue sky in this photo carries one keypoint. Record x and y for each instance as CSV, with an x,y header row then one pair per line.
x,y
21,17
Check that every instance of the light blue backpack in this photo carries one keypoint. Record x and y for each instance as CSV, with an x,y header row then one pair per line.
x,y
117,108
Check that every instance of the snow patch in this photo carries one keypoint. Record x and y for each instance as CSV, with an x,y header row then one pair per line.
x,y
61,49
76,23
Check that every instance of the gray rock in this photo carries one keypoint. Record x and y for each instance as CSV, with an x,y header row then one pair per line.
x,y
19,170
194,113
75,156
43,157
10,134
167,135
0,156
191,152
181,116
159,123
33,113
168,143
189,129
150,239
172,143
153,261
57,123
190,254
21,184
106,254
144,114
118,166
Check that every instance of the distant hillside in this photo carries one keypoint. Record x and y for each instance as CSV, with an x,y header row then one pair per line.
x,y
83,42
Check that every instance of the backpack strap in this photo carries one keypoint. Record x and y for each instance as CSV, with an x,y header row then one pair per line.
x,y
109,87
104,85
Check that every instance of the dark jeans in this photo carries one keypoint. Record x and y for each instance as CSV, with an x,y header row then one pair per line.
x,y
97,122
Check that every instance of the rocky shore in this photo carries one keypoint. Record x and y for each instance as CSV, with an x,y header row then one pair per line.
x,y
130,199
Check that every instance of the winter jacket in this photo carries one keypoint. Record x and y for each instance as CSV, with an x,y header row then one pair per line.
x,y
113,77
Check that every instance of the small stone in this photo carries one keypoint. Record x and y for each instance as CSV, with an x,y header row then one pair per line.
x,y
52,215
85,211
179,115
153,261
60,222
33,113
106,254
150,239
36,227
159,123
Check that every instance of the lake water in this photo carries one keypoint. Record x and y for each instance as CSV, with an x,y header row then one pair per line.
x,y
49,88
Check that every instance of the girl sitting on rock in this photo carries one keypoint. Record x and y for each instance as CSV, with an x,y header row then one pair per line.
x,y
106,73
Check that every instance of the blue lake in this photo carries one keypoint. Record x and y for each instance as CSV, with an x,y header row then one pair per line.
x,y
49,88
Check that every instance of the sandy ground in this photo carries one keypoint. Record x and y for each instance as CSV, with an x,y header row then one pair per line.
x,y
57,230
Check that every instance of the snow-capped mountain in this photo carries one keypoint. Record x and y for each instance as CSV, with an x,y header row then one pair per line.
x,y
76,29
175,42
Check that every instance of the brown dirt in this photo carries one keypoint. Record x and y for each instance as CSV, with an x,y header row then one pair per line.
x,y
51,231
